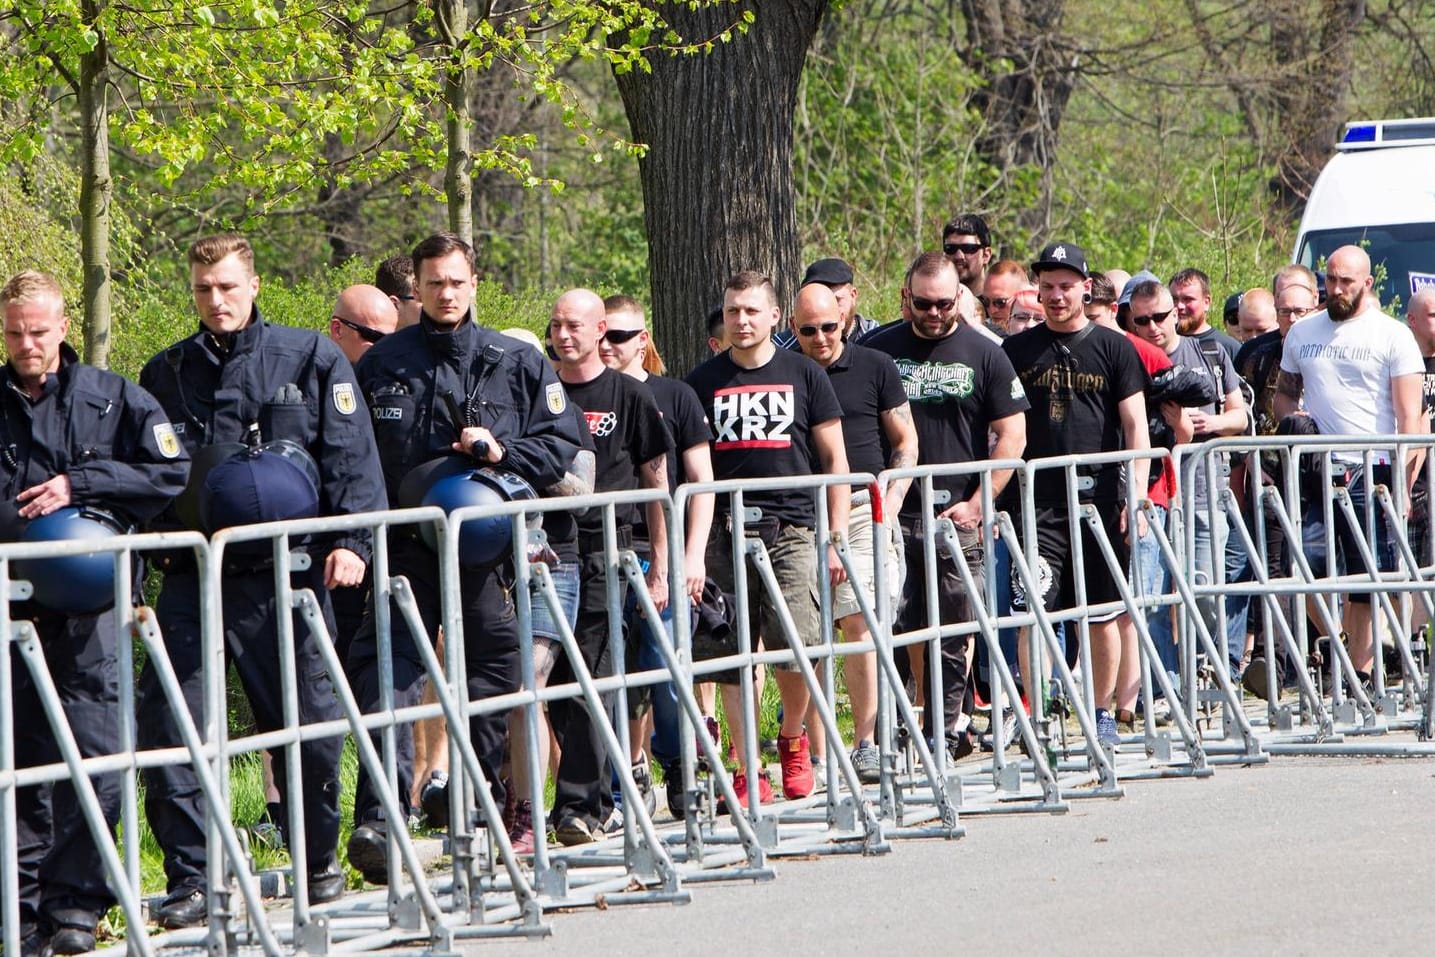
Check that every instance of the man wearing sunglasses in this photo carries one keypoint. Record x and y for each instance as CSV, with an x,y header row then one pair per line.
x,y
1006,279
878,433
1154,317
961,387
362,316
967,242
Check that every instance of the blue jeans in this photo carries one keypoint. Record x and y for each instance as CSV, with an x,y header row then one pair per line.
x,y
565,583
1156,580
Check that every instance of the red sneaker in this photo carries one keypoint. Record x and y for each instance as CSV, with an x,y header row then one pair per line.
x,y
796,766
739,784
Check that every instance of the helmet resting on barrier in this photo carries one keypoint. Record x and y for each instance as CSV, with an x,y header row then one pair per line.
x,y
482,541
276,482
72,584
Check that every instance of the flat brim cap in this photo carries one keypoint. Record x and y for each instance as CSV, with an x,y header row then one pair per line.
x,y
829,272
1061,256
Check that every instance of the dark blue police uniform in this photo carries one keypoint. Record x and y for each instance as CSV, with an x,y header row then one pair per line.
x,y
414,380
259,384
115,444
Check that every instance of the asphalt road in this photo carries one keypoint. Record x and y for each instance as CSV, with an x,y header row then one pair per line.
x,y
1301,856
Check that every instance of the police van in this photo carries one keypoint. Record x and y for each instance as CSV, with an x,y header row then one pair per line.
x,y
1378,192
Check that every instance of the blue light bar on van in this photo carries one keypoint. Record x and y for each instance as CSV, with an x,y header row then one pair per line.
x,y
1364,133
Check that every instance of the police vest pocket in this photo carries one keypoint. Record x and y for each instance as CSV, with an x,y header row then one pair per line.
x,y
285,420
393,421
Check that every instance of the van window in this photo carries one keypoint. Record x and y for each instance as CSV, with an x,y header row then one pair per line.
x,y
1404,248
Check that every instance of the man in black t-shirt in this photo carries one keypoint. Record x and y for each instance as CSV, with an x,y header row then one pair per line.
x,y
631,448
627,347
1086,385
877,433
773,413
962,388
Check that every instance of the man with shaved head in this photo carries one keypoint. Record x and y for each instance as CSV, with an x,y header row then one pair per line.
x,y
362,316
1257,313
631,446
1359,372
878,433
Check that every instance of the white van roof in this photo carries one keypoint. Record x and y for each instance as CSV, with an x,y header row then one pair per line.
x,y
1376,181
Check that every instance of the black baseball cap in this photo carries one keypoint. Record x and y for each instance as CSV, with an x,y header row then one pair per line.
x,y
1233,306
1062,256
829,272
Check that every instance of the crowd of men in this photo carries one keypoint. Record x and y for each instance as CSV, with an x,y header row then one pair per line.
x,y
988,361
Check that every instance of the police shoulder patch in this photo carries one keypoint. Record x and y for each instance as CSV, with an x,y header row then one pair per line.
x,y
557,398
344,400
167,441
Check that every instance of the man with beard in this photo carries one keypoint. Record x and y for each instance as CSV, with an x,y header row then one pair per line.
x,y
1360,373
1191,292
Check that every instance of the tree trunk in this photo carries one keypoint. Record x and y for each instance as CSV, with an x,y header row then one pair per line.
x,y
717,178
452,19
339,208
1310,97
96,189
1021,50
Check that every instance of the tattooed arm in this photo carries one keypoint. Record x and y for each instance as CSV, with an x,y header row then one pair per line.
x,y
901,434
654,474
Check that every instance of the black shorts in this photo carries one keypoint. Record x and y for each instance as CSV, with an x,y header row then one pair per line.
x,y
1055,570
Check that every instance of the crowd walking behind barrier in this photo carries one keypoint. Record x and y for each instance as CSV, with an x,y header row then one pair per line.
x,y
486,888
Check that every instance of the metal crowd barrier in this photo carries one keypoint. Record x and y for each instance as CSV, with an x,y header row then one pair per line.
x,y
1330,703
487,889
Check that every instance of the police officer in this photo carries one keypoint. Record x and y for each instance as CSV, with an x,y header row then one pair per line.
x,y
241,380
73,436
445,386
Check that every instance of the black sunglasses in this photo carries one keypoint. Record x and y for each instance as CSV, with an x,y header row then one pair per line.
x,y
807,332
620,336
925,305
1154,317
951,249
999,302
365,333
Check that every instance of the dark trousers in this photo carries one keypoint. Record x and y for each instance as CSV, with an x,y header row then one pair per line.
x,y
349,605
174,803
953,606
61,877
583,787
490,640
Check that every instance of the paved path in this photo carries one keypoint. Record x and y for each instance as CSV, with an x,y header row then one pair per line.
x,y
1301,856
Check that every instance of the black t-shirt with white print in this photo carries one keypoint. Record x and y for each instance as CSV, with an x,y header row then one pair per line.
x,y
957,386
1074,381
762,421
627,431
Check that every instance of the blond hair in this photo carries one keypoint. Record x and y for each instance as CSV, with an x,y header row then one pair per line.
x,y
30,285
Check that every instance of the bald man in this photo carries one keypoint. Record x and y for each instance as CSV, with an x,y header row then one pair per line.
x,y
631,446
1359,372
1257,313
362,316
875,415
